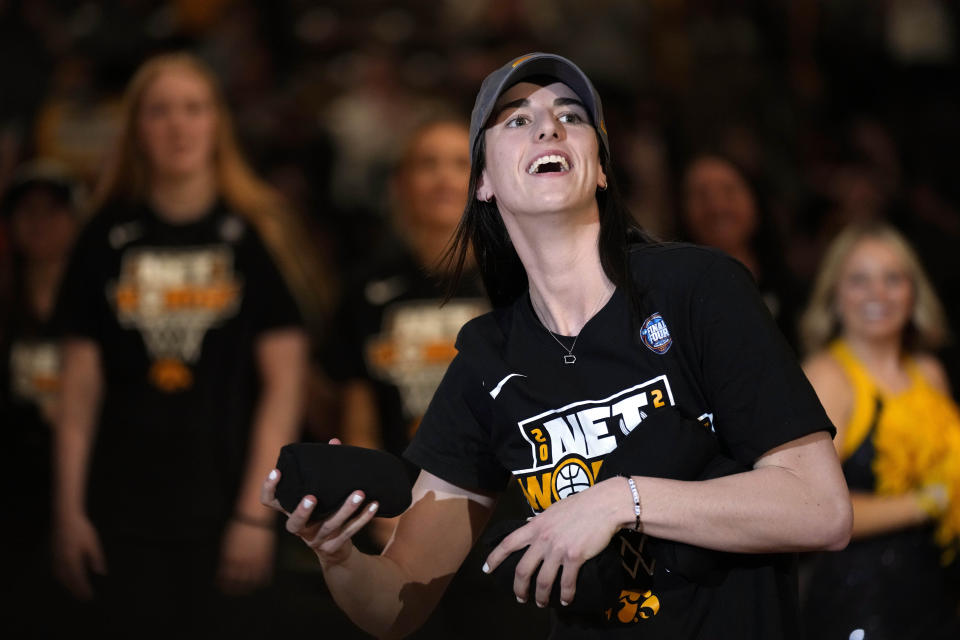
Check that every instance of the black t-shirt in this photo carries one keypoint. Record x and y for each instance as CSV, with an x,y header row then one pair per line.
x,y
29,387
175,311
707,347
394,332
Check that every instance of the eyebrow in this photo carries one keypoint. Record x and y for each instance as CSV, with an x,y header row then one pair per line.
x,y
524,102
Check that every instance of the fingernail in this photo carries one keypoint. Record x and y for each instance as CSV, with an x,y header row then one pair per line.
x,y
521,600
356,499
273,475
485,568
564,603
307,503
373,507
540,604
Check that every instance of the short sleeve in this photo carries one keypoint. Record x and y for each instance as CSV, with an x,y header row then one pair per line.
x,y
453,441
268,295
757,391
81,304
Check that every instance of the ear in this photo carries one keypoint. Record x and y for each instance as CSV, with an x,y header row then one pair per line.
x,y
601,177
484,192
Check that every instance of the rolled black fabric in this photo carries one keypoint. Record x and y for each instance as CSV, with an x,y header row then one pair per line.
x,y
332,472
667,445
596,580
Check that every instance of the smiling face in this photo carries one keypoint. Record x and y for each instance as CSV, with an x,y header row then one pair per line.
x,y
875,294
177,123
542,153
434,176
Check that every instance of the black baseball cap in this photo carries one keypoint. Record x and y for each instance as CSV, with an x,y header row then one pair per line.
x,y
41,173
526,66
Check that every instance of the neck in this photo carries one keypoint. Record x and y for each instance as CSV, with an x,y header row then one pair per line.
x,y
42,278
561,257
884,354
183,199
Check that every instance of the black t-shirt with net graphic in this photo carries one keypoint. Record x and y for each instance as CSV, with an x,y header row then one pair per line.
x,y
175,311
706,347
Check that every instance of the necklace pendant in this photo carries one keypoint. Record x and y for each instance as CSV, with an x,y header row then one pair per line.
x,y
569,359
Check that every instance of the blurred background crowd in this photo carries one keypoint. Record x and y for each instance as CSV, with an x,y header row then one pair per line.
x,y
762,128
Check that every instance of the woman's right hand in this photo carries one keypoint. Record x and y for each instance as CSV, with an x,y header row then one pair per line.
x,y
331,538
77,552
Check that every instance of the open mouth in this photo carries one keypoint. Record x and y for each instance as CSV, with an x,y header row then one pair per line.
x,y
549,164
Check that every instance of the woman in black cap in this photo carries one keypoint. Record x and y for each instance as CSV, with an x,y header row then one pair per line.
x,y
598,334
41,210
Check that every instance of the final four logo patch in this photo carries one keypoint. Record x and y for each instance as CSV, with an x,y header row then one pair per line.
x,y
655,334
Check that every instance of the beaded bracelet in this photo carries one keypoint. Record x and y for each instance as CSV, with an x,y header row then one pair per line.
x,y
636,502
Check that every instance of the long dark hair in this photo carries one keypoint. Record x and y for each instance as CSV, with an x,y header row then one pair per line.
x,y
482,230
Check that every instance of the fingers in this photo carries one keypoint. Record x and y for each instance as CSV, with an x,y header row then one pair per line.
x,y
336,542
516,540
526,568
268,491
544,580
334,441
96,559
568,582
73,574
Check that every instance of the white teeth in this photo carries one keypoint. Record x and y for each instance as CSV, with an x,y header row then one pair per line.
x,y
547,159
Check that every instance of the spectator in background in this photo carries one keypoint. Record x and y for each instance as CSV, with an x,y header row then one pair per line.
x,y
395,339
722,208
872,320
184,360
40,208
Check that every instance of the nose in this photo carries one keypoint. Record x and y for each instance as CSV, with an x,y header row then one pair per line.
x,y
549,128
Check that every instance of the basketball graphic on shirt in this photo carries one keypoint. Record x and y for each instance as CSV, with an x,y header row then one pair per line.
x,y
173,297
572,476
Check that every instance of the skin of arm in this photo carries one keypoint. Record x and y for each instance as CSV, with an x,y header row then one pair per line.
x,y
247,548
392,594
794,499
872,514
360,427
76,544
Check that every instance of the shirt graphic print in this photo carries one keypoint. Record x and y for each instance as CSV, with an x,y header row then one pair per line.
x,y
173,296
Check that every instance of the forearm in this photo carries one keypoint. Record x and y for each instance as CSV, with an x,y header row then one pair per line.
x,y
875,515
758,511
282,362
360,425
276,423
75,427
377,595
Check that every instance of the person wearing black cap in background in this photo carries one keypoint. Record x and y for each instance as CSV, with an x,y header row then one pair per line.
x,y
598,336
40,209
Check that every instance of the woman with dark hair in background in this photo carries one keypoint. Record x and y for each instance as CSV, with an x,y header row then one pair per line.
x,y
870,328
723,208
184,361
595,332
41,209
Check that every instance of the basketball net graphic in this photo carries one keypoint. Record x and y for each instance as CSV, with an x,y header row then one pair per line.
x,y
416,345
173,296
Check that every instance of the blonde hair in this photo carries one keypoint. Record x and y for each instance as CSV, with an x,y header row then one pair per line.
x,y
126,178
819,324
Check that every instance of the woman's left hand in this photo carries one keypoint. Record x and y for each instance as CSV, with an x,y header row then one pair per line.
x,y
566,535
246,560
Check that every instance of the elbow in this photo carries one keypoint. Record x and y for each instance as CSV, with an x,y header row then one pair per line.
x,y
838,523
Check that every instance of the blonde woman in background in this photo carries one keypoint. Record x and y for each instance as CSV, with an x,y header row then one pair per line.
x,y
184,367
871,325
